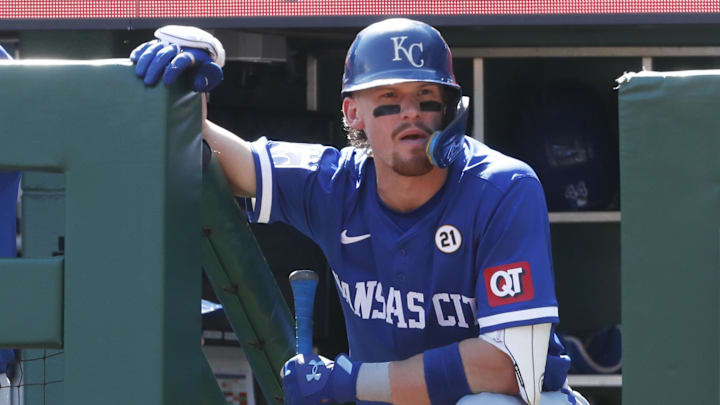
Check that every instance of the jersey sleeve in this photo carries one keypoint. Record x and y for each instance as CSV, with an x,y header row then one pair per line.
x,y
515,284
295,183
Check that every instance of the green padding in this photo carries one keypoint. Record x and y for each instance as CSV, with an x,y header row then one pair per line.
x,y
670,177
43,222
131,158
245,285
32,318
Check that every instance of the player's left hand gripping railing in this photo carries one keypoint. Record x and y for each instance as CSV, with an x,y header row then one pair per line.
x,y
123,303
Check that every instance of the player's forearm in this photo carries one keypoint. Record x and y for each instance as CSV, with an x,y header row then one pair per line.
x,y
487,369
234,156
407,381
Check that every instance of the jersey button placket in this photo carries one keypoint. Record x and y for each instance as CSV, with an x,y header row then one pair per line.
x,y
401,264
399,269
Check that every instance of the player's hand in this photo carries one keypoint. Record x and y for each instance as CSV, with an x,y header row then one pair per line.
x,y
179,49
310,380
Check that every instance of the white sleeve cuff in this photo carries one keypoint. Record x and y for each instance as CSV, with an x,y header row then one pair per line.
x,y
265,191
546,314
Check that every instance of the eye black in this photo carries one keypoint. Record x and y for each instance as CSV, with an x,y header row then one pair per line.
x,y
388,109
430,106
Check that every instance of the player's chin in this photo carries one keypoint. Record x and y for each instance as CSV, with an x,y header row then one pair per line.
x,y
412,166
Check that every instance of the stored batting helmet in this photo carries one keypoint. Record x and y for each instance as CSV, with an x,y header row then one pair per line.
x,y
398,50
572,145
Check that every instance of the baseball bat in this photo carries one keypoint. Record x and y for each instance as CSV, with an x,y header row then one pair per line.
x,y
303,284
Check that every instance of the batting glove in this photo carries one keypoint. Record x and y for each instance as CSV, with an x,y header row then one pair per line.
x,y
179,49
311,380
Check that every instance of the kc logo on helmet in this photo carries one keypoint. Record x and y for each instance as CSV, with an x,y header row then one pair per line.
x,y
398,44
509,283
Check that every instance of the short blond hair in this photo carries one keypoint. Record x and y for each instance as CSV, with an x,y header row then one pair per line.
x,y
355,137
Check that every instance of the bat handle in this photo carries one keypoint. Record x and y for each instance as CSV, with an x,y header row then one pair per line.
x,y
303,284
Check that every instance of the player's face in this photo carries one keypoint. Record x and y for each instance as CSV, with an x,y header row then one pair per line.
x,y
398,120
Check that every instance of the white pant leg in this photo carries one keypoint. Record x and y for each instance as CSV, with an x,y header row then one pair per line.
x,y
547,398
5,390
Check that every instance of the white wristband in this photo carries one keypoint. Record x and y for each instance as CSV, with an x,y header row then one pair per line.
x,y
373,382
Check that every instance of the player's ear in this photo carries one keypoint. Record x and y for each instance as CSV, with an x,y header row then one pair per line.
x,y
352,116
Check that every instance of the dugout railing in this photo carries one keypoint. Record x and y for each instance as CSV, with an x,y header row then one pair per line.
x,y
115,317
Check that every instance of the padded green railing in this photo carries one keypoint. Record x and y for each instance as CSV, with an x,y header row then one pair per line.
x,y
123,302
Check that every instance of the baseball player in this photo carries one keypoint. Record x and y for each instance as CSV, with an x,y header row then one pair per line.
x,y
439,245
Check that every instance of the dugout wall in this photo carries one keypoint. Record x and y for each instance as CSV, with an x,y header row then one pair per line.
x,y
126,289
121,282
671,236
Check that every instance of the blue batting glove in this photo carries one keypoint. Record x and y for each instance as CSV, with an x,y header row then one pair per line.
x,y
311,380
179,49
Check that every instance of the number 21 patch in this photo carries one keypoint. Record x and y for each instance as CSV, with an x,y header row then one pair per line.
x,y
509,283
448,239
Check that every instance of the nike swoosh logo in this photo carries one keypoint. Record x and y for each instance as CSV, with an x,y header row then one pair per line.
x,y
346,240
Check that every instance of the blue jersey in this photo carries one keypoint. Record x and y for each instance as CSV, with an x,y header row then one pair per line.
x,y
8,200
473,259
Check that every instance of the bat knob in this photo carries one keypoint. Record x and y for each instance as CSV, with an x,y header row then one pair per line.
x,y
302,275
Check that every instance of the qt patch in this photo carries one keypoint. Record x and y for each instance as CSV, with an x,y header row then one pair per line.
x,y
509,284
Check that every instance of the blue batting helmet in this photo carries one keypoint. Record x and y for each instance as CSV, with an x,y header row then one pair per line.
x,y
398,50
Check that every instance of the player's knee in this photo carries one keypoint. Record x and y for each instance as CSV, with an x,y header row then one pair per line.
x,y
548,398
489,398
562,397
